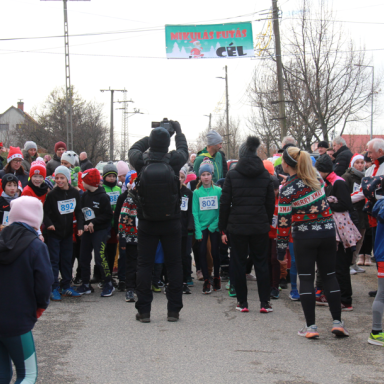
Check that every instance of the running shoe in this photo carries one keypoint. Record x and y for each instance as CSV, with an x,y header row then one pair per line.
x,y
228,285
352,270
339,329
322,301
173,317
199,275
294,295
107,290
242,307
100,285
77,281
55,295
250,277
376,339
69,292
186,290
207,288
121,286
265,307
309,332
372,293
190,282
224,275
358,269
274,293
232,291
216,284
84,290
130,296
143,317
346,307
156,288
283,284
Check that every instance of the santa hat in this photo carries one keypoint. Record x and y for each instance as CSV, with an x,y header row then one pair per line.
x,y
14,153
91,177
38,169
355,157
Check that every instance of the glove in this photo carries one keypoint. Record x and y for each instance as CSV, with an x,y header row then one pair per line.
x,y
176,126
39,312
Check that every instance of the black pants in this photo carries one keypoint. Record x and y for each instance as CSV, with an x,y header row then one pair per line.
x,y
111,255
323,253
196,255
215,243
130,255
257,246
224,257
149,234
186,243
343,262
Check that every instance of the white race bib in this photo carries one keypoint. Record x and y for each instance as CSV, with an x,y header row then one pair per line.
x,y
208,202
274,221
184,204
356,187
66,206
113,196
6,218
89,214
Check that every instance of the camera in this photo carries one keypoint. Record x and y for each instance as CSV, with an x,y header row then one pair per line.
x,y
165,123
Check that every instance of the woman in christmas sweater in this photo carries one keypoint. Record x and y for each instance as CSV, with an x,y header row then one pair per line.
x,y
304,210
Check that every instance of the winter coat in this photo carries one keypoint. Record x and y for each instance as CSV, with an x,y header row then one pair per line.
x,y
337,187
378,213
113,193
25,279
219,163
4,207
248,200
53,164
23,178
187,222
26,163
342,159
85,164
38,192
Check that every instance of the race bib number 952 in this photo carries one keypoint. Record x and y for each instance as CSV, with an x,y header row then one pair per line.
x,y
208,202
66,206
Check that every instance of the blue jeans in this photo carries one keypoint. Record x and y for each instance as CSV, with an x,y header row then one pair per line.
x,y
60,253
293,271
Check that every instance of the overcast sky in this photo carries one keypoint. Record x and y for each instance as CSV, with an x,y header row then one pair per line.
x,y
183,90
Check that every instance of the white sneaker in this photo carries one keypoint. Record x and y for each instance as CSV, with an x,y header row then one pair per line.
x,y
352,270
358,269
250,277
309,332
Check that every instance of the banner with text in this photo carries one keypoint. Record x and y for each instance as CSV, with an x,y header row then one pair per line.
x,y
209,41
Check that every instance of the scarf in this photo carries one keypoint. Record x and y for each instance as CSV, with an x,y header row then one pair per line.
x,y
110,185
9,198
38,191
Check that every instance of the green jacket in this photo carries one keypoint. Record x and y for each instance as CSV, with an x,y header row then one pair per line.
x,y
205,218
217,161
112,196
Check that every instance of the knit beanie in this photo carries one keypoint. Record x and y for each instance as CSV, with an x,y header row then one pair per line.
x,y
38,169
190,177
355,157
69,156
49,183
109,169
159,140
8,177
14,153
28,210
91,177
269,167
64,171
249,148
122,168
29,145
184,171
206,166
60,144
213,138
324,164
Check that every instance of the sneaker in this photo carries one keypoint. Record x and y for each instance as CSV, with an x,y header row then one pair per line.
x,y
129,297
352,270
207,288
107,290
372,293
250,277
77,281
242,307
156,288
318,292
173,317
322,301
358,269
224,275
121,286
216,284
190,282
376,339
232,291
186,290
143,317
265,307
70,292
368,261
114,282
84,290
228,285
160,284
55,295
100,285
274,293
283,284
95,280
199,275
339,329
294,295
309,332
346,307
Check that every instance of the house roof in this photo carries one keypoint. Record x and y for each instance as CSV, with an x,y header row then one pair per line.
x,y
358,143
22,113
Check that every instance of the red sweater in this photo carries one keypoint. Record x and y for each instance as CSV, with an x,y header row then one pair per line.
x,y
28,191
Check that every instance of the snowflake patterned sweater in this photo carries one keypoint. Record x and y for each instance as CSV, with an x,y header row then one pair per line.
x,y
303,211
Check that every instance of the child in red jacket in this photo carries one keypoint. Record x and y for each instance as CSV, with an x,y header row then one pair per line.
x,y
36,186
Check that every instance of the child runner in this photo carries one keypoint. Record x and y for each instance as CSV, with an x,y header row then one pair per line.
x,y
10,192
205,208
36,186
26,276
59,206
122,172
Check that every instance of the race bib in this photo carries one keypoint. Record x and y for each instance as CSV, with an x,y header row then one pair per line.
x,y
89,214
184,204
274,221
113,196
66,206
356,187
6,218
208,202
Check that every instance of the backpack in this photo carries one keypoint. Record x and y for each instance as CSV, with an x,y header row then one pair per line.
x,y
158,189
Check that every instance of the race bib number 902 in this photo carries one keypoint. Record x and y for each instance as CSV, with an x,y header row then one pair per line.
x,y
66,206
208,202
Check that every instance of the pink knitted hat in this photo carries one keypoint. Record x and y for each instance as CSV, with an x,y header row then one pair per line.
x,y
28,210
122,168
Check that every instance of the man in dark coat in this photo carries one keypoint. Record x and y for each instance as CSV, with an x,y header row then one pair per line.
x,y
342,156
247,205
60,148
84,162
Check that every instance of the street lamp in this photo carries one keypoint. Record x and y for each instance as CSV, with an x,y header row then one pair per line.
x,y
373,79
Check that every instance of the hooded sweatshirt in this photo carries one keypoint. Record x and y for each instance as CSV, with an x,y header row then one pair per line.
x,y
5,206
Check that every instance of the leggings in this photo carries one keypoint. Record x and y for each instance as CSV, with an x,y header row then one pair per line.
x,y
323,252
293,270
378,304
20,350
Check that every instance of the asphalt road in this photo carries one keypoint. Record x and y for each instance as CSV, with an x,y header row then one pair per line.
x,y
98,341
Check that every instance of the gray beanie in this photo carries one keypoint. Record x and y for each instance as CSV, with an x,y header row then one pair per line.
x,y
64,171
109,169
29,145
214,138
249,148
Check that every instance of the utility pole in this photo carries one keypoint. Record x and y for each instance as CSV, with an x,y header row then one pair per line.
x,y
280,84
111,128
210,119
124,131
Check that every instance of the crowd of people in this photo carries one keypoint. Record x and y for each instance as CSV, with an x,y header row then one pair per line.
x,y
294,219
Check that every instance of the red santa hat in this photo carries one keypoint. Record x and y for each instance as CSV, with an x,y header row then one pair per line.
x,y
355,157
14,153
38,169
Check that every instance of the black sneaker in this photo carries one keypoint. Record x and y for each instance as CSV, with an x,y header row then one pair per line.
x,y
207,288
77,281
224,275
372,293
265,307
130,297
121,286
91,288
274,293
143,317
216,284
283,284
186,290
173,316
114,282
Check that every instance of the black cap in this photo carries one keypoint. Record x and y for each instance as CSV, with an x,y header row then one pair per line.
x,y
8,177
323,144
159,140
324,164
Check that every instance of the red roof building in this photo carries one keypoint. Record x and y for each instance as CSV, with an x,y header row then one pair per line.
x,y
358,143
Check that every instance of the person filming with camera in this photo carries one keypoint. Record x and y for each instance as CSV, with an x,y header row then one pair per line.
x,y
158,200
